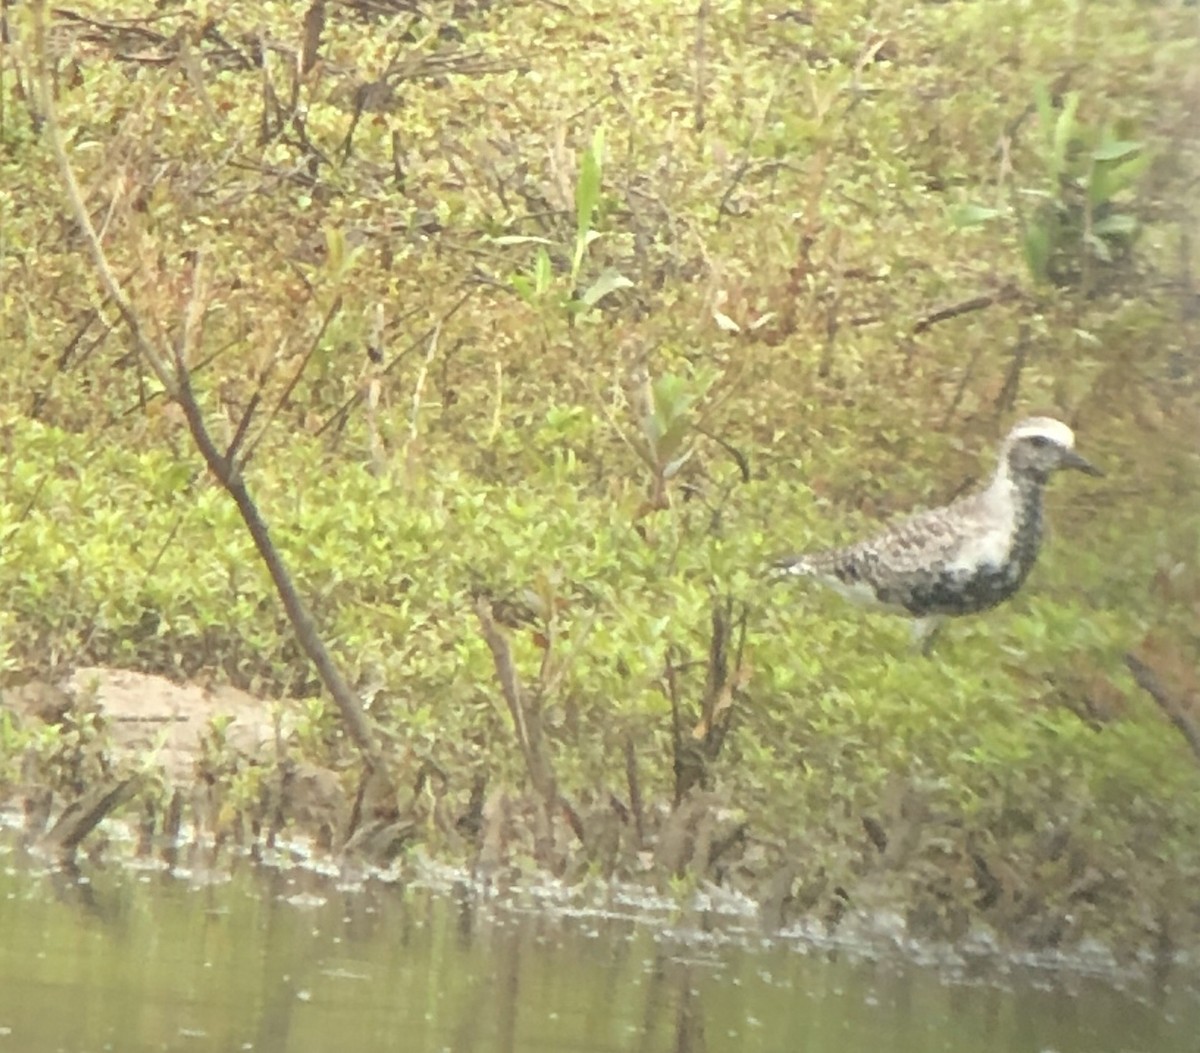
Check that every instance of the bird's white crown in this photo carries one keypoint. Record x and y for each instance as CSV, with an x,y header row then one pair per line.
x,y
1044,427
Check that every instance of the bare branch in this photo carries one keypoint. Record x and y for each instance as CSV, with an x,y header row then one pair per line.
x,y
314,26
1149,682
176,382
85,813
1005,294
80,213
239,436
635,791
524,707
341,414
506,673
282,401
700,85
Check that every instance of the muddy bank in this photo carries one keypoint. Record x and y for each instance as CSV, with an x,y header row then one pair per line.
x,y
203,774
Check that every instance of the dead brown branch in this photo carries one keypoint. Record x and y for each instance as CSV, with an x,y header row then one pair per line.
x,y
1148,681
525,709
314,26
747,161
632,779
171,369
84,814
290,387
726,675
522,707
1005,294
700,87
337,420
727,672
1007,398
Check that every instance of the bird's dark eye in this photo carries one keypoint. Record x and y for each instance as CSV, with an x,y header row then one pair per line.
x,y
1040,441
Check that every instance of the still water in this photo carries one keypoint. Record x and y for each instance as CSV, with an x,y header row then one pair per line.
x,y
284,959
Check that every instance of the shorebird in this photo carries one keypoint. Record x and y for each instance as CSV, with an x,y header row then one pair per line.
x,y
965,557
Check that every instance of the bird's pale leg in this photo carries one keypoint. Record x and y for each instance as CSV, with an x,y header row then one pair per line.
x,y
924,631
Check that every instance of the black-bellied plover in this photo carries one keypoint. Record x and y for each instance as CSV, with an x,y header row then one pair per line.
x,y
965,557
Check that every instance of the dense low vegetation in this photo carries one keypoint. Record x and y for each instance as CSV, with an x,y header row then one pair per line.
x,y
562,319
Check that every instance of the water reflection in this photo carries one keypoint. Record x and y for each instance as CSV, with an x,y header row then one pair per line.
x,y
287,960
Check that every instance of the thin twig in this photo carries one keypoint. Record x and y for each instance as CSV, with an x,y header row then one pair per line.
x,y
199,367
330,314
239,436
510,685
635,791
700,85
68,351
162,551
747,158
342,413
419,386
832,299
1007,398
85,813
975,303
961,389
79,211
1148,681
739,458
301,620
27,511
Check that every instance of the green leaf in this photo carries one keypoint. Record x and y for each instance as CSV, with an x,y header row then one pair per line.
x,y
672,467
610,280
1116,225
725,323
669,400
1064,134
523,287
543,273
1099,247
335,248
969,214
1109,179
519,239
1037,244
1115,150
1045,108
587,197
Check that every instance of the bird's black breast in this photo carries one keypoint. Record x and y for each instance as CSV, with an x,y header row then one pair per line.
x,y
938,589
934,592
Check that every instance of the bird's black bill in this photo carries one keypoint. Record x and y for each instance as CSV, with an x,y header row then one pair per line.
x,y
1072,460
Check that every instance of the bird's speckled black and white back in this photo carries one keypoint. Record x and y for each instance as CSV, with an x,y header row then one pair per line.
x,y
962,558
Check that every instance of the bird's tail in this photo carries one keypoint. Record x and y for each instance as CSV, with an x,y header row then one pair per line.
x,y
790,566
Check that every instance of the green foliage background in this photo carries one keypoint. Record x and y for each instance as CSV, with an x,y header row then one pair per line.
x,y
578,336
